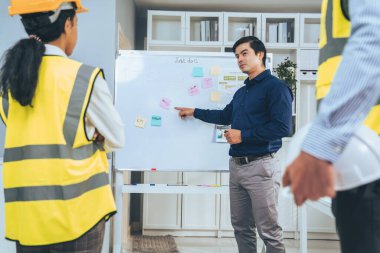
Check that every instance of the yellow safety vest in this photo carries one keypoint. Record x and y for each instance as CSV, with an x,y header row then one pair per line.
x,y
334,33
56,180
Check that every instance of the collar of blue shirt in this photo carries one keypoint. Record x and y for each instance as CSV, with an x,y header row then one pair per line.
x,y
258,78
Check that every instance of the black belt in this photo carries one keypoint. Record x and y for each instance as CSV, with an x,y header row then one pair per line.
x,y
247,159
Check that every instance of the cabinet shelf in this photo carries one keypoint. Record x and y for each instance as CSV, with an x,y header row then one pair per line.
x,y
166,27
237,25
309,33
204,28
280,30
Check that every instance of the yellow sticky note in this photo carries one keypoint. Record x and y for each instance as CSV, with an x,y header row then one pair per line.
x,y
215,71
140,122
215,96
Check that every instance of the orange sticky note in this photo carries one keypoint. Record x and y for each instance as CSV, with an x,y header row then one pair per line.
x,y
215,96
215,71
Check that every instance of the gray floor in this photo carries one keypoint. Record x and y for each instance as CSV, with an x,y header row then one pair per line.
x,y
228,245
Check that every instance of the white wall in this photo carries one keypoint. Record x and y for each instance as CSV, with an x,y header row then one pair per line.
x,y
96,46
125,13
97,37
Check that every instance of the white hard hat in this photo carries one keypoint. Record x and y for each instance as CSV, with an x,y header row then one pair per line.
x,y
359,162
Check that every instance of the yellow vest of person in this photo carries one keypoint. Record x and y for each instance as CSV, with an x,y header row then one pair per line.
x,y
335,31
56,180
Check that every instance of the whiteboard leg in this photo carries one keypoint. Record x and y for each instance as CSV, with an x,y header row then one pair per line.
x,y
118,218
303,228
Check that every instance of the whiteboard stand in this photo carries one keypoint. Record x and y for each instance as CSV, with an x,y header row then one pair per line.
x,y
323,205
118,218
303,229
121,188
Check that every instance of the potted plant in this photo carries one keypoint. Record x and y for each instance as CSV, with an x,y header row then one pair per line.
x,y
286,71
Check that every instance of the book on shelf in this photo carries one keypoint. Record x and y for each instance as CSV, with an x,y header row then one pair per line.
x,y
272,33
197,31
282,32
290,28
246,31
251,29
207,30
214,30
203,30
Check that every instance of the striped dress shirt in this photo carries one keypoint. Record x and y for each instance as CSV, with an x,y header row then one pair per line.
x,y
355,88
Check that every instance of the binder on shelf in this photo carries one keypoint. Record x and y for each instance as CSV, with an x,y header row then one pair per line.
x,y
282,32
207,30
251,30
290,27
214,30
246,31
203,30
197,31
272,33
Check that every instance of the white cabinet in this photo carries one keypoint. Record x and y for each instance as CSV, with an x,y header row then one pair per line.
x,y
287,208
162,211
308,64
237,25
280,29
184,31
308,108
309,32
204,28
166,27
200,211
225,213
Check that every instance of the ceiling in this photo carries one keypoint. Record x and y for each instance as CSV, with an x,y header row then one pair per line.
x,y
229,5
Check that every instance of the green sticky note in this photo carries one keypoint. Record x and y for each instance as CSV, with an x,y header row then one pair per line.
x,y
155,121
197,72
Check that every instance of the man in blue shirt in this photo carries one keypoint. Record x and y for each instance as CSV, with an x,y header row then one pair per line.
x,y
354,92
260,114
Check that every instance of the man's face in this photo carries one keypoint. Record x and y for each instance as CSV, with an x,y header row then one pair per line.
x,y
247,59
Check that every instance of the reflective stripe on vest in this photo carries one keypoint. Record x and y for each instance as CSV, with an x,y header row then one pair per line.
x,y
55,192
335,31
334,46
5,105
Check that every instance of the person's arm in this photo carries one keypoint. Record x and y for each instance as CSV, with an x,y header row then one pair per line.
x,y
355,89
102,116
356,86
280,123
220,117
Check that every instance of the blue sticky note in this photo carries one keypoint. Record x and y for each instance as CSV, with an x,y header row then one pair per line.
x,y
197,72
156,120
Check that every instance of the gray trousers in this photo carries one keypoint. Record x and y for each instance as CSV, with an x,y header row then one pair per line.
x,y
254,191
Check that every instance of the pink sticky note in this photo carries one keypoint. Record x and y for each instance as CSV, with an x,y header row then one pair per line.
x,y
165,103
207,82
193,90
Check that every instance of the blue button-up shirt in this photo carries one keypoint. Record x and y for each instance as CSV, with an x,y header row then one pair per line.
x,y
262,110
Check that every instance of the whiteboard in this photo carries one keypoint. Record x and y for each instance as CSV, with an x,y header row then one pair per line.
x,y
148,87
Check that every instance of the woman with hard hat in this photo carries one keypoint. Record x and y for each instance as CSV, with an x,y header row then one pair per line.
x,y
60,121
